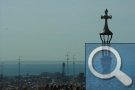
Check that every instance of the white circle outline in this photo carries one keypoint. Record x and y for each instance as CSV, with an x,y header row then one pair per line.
x,y
99,75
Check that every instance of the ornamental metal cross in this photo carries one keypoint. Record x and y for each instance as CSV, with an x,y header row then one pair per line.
x,y
106,34
106,17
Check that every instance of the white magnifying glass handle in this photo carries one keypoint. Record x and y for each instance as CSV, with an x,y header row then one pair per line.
x,y
124,78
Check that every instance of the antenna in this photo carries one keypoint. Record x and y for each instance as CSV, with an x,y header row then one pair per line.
x,y
19,72
74,66
67,63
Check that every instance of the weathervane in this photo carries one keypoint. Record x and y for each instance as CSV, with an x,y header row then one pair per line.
x,y
106,34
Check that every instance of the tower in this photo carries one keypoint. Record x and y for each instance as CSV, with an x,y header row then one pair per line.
x,y
1,76
63,71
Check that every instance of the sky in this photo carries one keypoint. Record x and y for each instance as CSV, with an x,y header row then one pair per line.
x,y
48,29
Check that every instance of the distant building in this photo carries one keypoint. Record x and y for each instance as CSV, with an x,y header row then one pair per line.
x,y
63,71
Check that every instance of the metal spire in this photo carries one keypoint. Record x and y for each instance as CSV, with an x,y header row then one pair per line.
x,y
106,31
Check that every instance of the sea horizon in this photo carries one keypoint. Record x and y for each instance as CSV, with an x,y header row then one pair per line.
x,y
35,67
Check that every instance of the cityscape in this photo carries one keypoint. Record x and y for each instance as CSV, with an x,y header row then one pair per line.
x,y
69,76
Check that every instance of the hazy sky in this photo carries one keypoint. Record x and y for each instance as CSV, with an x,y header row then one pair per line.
x,y
47,29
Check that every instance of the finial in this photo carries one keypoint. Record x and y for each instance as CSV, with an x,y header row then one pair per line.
x,y
106,31
106,11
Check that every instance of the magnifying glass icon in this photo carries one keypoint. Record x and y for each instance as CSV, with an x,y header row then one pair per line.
x,y
121,76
